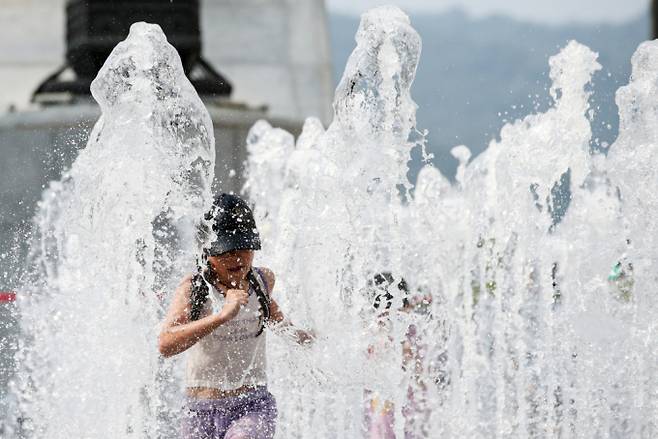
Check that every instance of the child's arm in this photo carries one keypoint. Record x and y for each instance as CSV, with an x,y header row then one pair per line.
x,y
278,319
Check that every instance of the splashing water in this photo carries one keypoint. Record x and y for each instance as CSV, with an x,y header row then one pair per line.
x,y
539,261
535,266
113,235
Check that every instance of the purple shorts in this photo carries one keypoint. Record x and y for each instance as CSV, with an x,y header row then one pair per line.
x,y
251,415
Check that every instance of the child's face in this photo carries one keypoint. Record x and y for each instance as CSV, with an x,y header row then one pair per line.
x,y
232,267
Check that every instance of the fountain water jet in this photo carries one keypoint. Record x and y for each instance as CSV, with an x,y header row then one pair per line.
x,y
335,222
112,236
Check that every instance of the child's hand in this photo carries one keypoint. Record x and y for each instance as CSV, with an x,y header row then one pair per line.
x,y
234,299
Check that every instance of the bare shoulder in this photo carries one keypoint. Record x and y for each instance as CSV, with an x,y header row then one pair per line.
x,y
179,307
269,276
184,287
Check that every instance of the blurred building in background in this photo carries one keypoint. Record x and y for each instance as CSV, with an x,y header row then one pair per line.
x,y
274,52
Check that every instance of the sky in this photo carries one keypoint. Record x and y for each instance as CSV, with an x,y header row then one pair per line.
x,y
542,11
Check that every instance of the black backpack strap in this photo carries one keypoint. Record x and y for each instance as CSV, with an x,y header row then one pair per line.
x,y
257,282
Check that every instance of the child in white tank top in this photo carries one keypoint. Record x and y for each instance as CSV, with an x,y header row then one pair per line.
x,y
219,315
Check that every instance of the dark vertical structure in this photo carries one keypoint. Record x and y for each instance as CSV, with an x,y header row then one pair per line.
x,y
94,27
654,19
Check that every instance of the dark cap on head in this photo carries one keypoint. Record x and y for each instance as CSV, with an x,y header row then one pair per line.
x,y
234,224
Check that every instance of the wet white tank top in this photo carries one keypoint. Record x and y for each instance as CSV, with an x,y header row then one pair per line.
x,y
231,356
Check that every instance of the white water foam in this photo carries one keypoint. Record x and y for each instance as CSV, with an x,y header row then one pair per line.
x,y
538,259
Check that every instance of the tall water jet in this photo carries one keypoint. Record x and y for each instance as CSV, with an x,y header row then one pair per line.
x,y
502,326
344,185
633,178
112,236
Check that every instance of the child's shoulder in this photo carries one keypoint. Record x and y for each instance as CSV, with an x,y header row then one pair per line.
x,y
187,279
185,283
